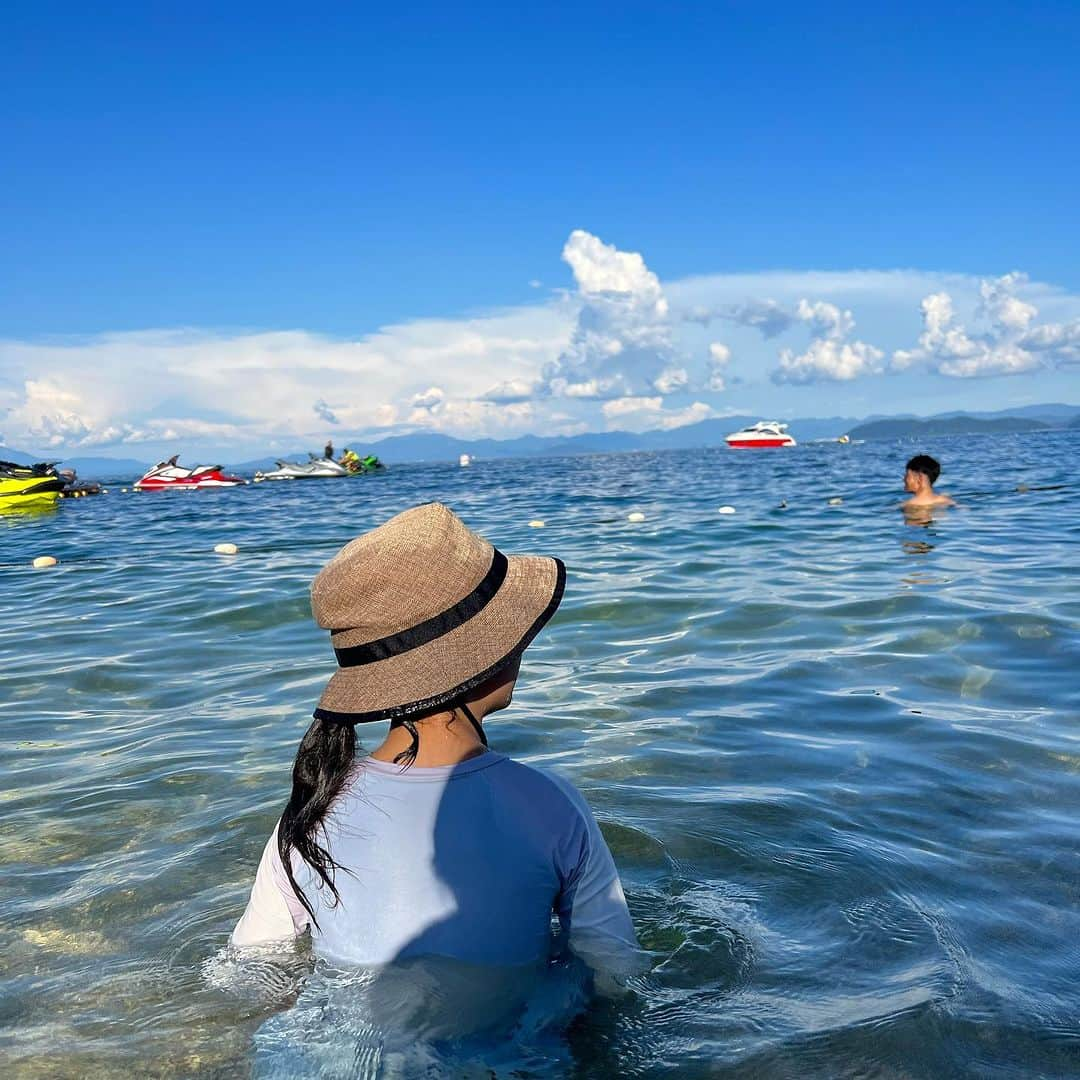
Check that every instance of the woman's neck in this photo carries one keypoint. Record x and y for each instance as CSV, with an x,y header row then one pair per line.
x,y
445,739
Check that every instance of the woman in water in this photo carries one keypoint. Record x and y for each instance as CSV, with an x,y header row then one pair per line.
x,y
432,845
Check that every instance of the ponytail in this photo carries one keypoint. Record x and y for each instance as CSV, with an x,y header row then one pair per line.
x,y
326,756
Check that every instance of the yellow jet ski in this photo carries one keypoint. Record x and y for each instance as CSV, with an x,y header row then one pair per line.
x,y
29,485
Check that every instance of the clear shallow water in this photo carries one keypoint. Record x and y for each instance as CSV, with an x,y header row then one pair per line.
x,y
836,757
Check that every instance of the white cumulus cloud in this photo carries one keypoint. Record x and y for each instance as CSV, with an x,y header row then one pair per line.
x,y
431,398
829,356
623,340
1061,341
512,391
626,406
603,270
671,380
719,358
643,413
1002,307
1006,344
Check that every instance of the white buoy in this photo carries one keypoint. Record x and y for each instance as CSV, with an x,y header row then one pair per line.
x,y
123,491
835,501
536,523
726,510
636,516
226,549
44,560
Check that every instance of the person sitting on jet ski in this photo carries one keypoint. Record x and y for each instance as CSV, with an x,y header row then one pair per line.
x,y
351,460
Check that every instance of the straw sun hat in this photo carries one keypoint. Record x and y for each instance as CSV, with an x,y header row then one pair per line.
x,y
421,610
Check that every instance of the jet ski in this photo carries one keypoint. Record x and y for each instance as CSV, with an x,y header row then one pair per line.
x,y
361,466
26,485
169,476
80,489
74,488
315,469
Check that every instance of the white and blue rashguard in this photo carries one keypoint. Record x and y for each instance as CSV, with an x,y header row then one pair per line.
x,y
465,861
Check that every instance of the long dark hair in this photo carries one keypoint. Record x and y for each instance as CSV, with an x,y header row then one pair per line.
x,y
326,756
323,763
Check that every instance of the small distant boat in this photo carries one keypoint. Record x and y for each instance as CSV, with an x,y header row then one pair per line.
x,y
762,435
315,469
25,485
356,465
464,460
168,476
74,488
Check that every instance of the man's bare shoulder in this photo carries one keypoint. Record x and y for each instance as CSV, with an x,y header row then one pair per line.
x,y
934,500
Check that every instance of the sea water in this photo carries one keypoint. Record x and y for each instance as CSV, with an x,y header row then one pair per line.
x,y
836,756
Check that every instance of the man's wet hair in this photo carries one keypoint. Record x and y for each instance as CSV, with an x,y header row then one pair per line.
x,y
925,464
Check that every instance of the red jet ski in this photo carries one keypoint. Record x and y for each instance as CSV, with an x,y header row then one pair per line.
x,y
168,476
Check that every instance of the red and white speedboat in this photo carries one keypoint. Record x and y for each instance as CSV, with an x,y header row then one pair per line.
x,y
168,476
762,435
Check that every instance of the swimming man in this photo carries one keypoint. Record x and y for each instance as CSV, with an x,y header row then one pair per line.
x,y
922,472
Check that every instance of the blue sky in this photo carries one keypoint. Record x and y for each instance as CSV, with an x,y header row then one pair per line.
x,y
228,179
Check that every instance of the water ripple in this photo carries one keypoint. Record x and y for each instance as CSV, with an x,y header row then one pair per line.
x,y
835,757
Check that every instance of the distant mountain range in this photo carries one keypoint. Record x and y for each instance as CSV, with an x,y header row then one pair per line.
x,y
399,449
951,425
425,446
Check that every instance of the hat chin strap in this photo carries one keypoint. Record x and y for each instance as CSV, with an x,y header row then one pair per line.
x,y
408,755
480,733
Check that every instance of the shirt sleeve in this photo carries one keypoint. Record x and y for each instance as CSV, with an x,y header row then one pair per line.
x,y
273,913
591,906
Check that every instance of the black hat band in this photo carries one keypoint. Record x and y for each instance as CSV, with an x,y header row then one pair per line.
x,y
370,652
